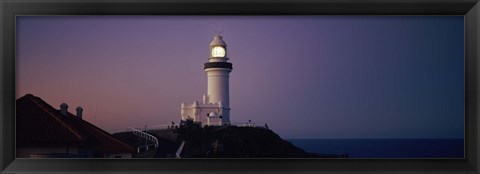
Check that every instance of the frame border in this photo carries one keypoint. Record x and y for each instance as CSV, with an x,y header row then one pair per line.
x,y
11,8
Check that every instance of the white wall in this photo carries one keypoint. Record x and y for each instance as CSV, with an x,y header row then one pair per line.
x,y
218,85
202,111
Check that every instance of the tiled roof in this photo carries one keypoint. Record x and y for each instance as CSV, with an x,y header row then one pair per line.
x,y
40,125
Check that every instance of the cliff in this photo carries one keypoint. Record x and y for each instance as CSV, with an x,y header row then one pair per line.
x,y
221,142
238,142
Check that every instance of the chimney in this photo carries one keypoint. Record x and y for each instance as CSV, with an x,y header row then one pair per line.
x,y
79,112
63,108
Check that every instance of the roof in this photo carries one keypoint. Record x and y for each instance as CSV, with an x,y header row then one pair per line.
x,y
38,124
218,41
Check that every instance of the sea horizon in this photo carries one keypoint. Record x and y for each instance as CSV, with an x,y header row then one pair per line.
x,y
384,147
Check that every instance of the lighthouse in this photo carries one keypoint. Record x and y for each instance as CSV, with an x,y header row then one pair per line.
x,y
215,107
218,69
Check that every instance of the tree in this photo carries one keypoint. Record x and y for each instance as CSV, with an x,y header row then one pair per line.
x,y
189,130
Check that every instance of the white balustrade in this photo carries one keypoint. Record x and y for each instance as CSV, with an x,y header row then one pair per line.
x,y
244,124
144,135
163,126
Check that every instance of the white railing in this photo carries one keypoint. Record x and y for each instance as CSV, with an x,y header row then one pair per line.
x,y
144,147
144,135
172,126
179,150
163,126
244,124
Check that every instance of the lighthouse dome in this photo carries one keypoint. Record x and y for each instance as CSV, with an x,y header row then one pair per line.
x,y
218,41
212,114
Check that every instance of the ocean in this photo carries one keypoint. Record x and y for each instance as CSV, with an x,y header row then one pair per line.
x,y
384,148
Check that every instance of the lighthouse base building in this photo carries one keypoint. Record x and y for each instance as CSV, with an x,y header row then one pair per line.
x,y
207,113
215,108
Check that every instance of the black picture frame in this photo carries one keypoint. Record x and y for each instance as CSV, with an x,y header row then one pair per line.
x,y
11,8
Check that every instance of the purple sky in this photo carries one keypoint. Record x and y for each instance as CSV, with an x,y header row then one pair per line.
x,y
306,76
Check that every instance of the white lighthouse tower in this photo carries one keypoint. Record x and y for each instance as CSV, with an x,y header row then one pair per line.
x,y
215,108
218,70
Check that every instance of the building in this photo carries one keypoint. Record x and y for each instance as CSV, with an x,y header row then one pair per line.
x,y
215,107
45,132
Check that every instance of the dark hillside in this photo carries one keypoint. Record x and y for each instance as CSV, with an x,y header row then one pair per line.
x,y
240,142
221,142
166,148
235,142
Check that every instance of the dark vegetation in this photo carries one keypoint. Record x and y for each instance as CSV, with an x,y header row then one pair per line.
x,y
221,142
235,142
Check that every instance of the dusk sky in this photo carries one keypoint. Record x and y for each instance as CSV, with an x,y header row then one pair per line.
x,y
305,76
